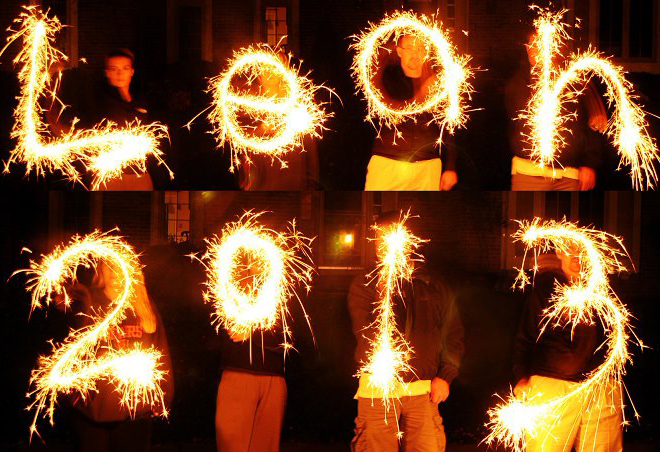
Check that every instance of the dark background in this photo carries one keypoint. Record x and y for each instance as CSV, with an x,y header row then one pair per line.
x,y
468,247
319,36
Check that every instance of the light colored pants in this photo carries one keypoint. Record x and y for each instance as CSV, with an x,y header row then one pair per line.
x,y
249,412
595,428
523,182
389,174
418,419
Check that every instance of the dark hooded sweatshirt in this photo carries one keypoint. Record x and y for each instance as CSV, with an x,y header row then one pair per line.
x,y
427,318
560,352
418,139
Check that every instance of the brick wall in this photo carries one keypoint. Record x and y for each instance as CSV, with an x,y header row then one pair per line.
x,y
131,213
220,208
464,229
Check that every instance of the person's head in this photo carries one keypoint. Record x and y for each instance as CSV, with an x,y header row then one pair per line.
x,y
119,68
412,53
270,80
111,280
571,264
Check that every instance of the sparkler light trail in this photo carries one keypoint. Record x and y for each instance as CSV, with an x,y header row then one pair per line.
x,y
107,150
447,95
286,116
252,274
87,354
389,352
587,300
555,87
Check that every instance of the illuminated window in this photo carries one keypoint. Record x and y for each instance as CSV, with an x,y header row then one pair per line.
x,y
177,212
342,231
276,26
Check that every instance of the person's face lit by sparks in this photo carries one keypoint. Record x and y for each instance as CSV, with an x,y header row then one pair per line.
x,y
412,52
571,263
271,83
119,72
532,50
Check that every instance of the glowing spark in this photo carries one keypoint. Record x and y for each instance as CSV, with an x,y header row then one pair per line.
x,y
285,116
554,88
87,354
252,274
586,300
390,353
106,150
447,94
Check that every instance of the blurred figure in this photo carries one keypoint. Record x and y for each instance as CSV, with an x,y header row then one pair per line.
x,y
427,317
579,158
263,173
410,159
550,364
101,423
118,104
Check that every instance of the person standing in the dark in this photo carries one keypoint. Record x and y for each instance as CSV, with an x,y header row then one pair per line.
x,y
252,393
579,158
117,104
550,363
408,158
428,319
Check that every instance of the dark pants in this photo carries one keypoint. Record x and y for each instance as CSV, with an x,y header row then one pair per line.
x,y
418,419
123,436
249,412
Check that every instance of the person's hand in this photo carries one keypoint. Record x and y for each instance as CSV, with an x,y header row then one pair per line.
x,y
586,178
598,123
521,387
439,390
448,180
236,337
72,292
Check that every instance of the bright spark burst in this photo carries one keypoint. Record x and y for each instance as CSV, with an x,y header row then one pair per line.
x,y
285,117
389,351
252,274
554,88
107,150
587,300
87,354
447,95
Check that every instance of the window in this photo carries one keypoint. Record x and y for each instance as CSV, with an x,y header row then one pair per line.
x,y
276,26
177,213
190,33
342,231
616,213
450,15
628,30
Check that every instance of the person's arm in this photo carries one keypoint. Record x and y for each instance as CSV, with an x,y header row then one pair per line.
x,y
594,109
528,329
360,308
453,341
452,345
